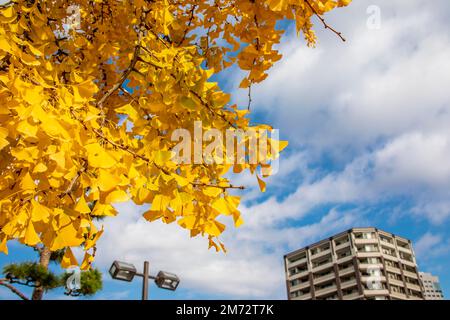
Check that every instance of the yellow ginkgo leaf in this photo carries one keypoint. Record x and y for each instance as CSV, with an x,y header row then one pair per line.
x,y
162,157
160,203
87,261
40,167
8,12
66,237
130,111
27,183
31,237
214,228
261,183
107,181
3,245
82,206
98,157
188,222
225,205
117,196
39,212
238,221
152,215
103,210
68,259
3,135
92,242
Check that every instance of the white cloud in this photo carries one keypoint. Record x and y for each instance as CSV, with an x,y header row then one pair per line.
x,y
377,107
252,268
431,246
427,242
342,98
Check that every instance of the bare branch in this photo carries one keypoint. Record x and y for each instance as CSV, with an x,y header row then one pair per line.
x,y
230,186
325,24
249,96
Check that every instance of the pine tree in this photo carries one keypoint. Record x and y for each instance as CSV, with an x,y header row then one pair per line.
x,y
38,276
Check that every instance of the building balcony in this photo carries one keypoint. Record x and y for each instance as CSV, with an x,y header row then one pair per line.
x,y
393,269
366,266
320,254
371,293
352,296
390,255
405,250
415,298
387,244
371,279
342,246
396,282
371,254
408,263
324,278
306,296
414,287
346,271
324,291
398,295
300,286
344,259
410,274
348,284
323,267
296,263
366,241
298,275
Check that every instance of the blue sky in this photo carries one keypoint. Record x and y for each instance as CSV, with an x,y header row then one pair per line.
x,y
367,121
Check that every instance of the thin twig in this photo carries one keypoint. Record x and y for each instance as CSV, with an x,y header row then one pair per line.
x,y
325,24
217,186
123,77
249,96
192,11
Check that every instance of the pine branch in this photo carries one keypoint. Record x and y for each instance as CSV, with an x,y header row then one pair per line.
x,y
4,283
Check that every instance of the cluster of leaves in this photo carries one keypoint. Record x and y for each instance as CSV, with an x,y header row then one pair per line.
x,y
91,282
66,153
30,273
34,274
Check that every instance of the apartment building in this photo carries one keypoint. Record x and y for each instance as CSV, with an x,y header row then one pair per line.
x,y
431,287
361,263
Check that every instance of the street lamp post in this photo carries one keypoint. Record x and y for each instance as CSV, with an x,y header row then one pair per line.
x,y
145,281
126,272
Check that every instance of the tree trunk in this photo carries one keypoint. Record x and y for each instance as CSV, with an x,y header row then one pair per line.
x,y
44,259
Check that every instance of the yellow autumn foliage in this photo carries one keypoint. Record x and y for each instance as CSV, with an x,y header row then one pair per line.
x,y
87,112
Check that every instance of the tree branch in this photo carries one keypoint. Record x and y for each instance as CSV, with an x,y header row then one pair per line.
x,y
325,24
6,5
4,283
230,186
123,77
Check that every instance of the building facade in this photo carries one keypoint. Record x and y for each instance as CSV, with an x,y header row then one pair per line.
x,y
431,287
361,263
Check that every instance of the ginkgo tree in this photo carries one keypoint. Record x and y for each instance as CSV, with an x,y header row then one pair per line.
x,y
88,109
